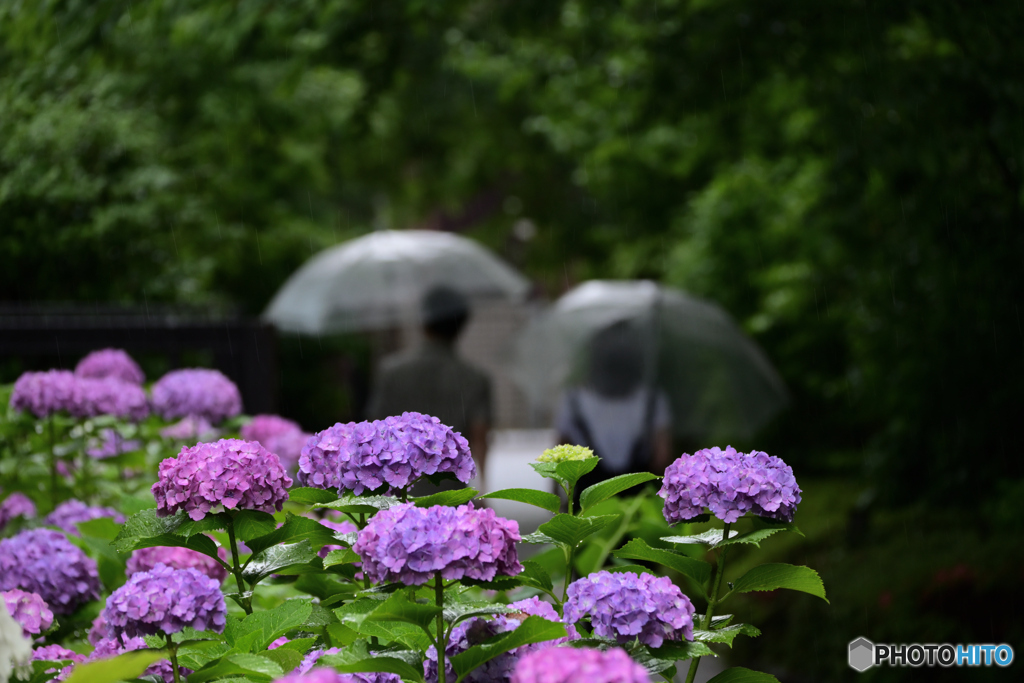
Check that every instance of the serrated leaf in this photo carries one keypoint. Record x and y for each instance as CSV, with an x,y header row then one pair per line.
x,y
769,577
532,630
295,557
102,528
343,556
250,524
360,504
356,658
709,537
123,667
285,658
307,495
256,667
460,611
738,674
566,473
200,543
726,635
146,524
637,549
541,499
273,623
534,574
399,608
293,530
572,530
538,538
604,490
751,537
675,651
449,498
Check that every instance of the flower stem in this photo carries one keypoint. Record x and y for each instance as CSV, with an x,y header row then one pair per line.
x,y
442,637
569,491
172,648
712,600
236,567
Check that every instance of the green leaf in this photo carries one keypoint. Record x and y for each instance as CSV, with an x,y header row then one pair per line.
x,y
541,499
250,524
751,537
256,667
726,635
300,645
356,658
285,658
102,527
498,583
343,556
306,495
360,504
399,608
769,577
294,529
566,473
572,530
637,549
738,674
709,537
202,544
296,557
538,538
120,668
675,651
460,611
533,630
273,623
604,490
449,498
143,526
535,575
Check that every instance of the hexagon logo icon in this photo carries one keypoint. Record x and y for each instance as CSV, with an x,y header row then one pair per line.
x,y
862,654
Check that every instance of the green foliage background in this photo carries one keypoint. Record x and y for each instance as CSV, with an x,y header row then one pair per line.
x,y
843,177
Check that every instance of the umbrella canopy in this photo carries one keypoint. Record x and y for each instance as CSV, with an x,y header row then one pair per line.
x,y
376,281
718,381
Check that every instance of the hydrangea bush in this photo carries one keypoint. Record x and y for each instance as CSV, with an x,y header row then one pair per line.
x,y
344,576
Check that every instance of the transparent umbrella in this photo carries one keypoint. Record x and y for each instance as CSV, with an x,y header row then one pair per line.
x,y
376,281
718,381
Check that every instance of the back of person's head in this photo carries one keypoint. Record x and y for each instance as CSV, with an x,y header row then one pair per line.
x,y
616,360
445,312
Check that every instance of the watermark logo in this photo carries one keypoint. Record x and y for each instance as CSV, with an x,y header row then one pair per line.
x,y
863,654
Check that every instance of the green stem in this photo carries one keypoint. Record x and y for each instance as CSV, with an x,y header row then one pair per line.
x,y
571,551
236,567
712,600
172,648
442,637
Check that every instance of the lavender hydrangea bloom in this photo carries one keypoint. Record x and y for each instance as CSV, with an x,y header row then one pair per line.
x,y
29,610
323,675
312,657
231,472
165,600
111,647
178,558
475,631
114,363
579,665
625,606
395,451
278,435
57,653
196,391
730,484
410,544
43,561
16,505
189,428
44,393
68,514
98,630
108,396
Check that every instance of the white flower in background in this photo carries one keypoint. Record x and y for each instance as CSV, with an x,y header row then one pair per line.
x,y
15,648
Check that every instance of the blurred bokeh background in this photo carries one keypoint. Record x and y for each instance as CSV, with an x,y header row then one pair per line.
x,y
843,178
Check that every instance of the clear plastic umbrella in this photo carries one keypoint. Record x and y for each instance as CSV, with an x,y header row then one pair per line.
x,y
718,381
376,281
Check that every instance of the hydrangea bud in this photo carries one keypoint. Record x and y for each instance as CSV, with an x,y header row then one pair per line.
x,y
565,453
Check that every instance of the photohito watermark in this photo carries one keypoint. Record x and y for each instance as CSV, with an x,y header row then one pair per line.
x,y
864,654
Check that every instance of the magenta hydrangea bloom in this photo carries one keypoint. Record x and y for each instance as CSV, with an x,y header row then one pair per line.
x,y
16,505
579,665
477,630
278,435
196,391
29,610
115,363
395,452
324,675
111,647
44,562
231,472
57,653
165,600
44,393
410,544
178,558
625,607
730,484
68,514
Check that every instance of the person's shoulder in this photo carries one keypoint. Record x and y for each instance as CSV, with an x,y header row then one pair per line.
x,y
395,362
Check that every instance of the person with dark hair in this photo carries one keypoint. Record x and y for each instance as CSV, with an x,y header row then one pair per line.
x,y
433,380
625,421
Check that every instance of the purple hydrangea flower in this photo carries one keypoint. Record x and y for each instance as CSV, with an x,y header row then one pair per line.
x,y
111,647
43,561
16,505
69,513
278,435
312,657
189,428
196,391
324,675
29,610
730,484
625,606
231,472
109,396
178,558
110,444
395,451
44,393
114,363
98,630
475,631
279,642
165,600
410,544
57,653
579,665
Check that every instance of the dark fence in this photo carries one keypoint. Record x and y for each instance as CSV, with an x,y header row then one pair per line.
x,y
244,349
